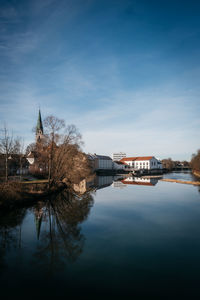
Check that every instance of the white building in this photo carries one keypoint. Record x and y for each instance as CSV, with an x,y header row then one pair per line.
x,y
118,156
142,162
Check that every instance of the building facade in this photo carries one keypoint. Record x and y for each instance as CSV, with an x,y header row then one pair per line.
x,y
100,162
142,162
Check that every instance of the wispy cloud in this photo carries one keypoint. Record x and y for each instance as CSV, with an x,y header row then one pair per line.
x,y
127,82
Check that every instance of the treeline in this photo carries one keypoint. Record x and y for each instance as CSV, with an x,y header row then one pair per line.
x,y
195,162
170,164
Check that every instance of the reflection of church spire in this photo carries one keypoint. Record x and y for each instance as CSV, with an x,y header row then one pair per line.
x,y
38,221
39,128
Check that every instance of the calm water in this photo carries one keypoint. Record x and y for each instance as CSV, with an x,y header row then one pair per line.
x,y
131,239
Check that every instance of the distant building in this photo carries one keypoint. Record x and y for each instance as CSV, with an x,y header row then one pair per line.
x,y
37,163
13,164
118,156
142,162
100,162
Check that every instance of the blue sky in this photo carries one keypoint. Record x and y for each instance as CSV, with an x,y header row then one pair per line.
x,y
126,73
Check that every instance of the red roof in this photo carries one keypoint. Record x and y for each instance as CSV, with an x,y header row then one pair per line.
x,y
144,158
128,158
136,158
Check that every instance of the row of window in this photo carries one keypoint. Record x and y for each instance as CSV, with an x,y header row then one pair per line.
x,y
153,163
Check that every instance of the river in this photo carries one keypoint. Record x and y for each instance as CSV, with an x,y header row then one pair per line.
x,y
122,238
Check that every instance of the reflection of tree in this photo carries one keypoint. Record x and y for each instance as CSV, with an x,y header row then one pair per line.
x,y
62,239
10,231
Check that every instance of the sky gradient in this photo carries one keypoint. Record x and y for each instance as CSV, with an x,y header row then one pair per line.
x,y
126,73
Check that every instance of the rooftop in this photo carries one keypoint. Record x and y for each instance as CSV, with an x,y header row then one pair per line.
x,y
136,158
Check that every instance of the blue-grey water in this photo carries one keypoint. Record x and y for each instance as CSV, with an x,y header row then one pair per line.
x,y
130,239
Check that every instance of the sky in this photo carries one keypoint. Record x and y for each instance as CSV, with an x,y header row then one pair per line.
x,y
125,72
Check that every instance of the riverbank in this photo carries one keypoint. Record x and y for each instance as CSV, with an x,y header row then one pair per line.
x,y
181,181
17,194
195,173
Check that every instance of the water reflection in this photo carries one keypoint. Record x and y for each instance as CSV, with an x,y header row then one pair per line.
x,y
57,222
10,232
118,181
61,241
147,181
133,240
95,183
57,230
39,212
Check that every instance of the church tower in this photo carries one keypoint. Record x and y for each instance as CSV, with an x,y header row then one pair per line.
x,y
39,129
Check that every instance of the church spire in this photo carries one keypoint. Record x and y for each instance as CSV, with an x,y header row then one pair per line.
x,y
39,128
39,123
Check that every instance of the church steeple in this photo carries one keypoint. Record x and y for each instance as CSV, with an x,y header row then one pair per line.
x,y
39,128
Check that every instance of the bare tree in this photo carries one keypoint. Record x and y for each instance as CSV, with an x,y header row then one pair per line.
x,y
72,136
71,165
195,162
66,160
53,125
6,147
168,163
18,148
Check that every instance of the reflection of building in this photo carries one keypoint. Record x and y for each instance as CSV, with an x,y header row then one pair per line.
x,y
100,182
118,156
94,183
84,185
118,184
103,181
142,162
140,181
